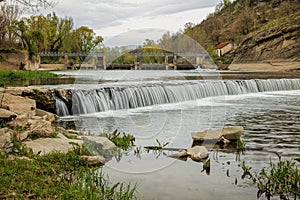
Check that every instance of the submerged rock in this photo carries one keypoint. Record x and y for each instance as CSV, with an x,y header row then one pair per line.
x,y
230,133
197,153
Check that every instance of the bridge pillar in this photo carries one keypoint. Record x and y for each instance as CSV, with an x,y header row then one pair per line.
x,y
104,62
66,59
136,63
167,62
200,61
175,62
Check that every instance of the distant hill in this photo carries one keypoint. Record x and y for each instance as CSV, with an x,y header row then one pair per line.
x,y
265,31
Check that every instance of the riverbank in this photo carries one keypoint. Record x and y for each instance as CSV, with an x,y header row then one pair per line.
x,y
39,159
266,66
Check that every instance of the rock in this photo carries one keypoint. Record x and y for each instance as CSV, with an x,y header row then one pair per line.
x,y
20,121
230,133
96,145
47,145
46,115
20,136
273,46
105,143
17,104
94,160
197,153
5,140
179,154
14,158
7,115
43,97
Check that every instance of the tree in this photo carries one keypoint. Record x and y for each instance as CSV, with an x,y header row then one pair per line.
x,y
31,4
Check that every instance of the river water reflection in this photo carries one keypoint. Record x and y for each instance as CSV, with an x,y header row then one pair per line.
x,y
271,122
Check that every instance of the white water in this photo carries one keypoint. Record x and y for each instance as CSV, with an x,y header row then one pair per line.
x,y
61,108
143,95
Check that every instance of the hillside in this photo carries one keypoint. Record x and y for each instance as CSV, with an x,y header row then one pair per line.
x,y
262,31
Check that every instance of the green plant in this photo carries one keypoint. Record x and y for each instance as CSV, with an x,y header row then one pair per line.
x,y
161,145
240,144
281,179
123,141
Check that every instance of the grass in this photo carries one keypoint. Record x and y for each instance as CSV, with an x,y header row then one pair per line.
x,y
56,176
10,77
281,179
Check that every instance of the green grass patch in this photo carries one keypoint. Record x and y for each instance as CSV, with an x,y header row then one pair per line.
x,y
57,176
8,77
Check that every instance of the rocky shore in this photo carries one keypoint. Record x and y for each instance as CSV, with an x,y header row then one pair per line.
x,y
23,122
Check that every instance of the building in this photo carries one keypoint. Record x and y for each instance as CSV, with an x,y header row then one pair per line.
x,y
223,48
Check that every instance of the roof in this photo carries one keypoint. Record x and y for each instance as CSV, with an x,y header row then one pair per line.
x,y
221,45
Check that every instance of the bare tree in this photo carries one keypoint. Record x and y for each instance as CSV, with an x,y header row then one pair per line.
x,y
33,5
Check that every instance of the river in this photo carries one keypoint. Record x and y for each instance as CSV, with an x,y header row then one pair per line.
x,y
170,105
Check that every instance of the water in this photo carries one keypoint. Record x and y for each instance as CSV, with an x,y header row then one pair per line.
x,y
270,117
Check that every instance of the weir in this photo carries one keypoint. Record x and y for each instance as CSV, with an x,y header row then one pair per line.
x,y
134,96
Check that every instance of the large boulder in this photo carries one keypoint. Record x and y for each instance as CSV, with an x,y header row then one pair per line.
x,y
43,97
17,104
96,146
197,153
47,145
230,133
104,142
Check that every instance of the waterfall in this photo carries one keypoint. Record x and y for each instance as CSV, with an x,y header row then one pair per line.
x,y
61,108
134,96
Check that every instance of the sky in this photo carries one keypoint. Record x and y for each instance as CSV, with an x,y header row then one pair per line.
x,y
134,20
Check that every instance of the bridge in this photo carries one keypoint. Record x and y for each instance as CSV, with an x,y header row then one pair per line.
x,y
100,60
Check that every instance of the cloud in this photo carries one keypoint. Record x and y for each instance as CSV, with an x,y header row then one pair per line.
x,y
104,15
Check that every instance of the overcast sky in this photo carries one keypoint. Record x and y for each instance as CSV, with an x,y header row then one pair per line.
x,y
114,17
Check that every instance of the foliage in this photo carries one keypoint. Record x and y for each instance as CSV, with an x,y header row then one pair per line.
x,y
123,141
280,179
57,176
9,77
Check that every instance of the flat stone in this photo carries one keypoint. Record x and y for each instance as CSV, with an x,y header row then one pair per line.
x,y
198,153
47,145
94,160
47,115
6,114
179,154
230,133
17,104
